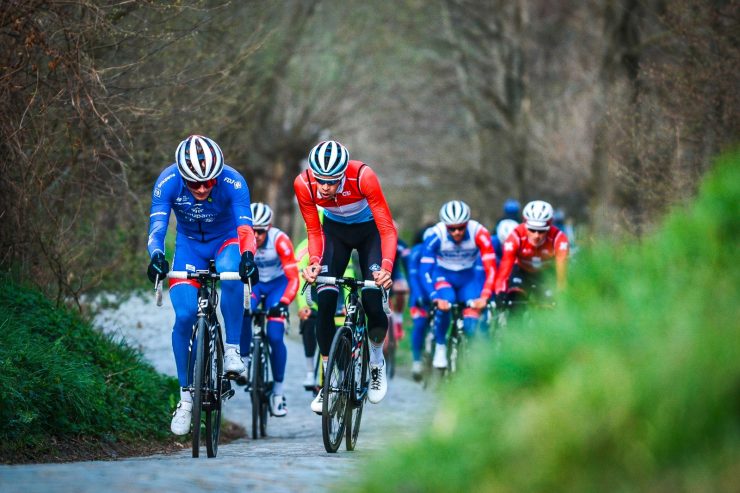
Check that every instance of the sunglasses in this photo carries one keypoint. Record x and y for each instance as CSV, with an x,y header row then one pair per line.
x,y
538,231
259,231
452,229
328,182
195,185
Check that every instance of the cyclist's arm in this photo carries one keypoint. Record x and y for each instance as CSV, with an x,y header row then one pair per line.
x,y
369,185
242,214
311,217
427,262
285,251
302,256
159,213
562,247
488,257
510,248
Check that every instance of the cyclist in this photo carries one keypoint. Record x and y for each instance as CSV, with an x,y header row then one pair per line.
x,y
420,303
278,282
356,216
511,210
210,200
529,251
400,289
448,268
503,230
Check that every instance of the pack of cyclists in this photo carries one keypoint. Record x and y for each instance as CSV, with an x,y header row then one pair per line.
x,y
344,209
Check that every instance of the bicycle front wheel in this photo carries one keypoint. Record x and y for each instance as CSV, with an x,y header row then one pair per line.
x,y
256,385
337,381
214,386
360,384
198,381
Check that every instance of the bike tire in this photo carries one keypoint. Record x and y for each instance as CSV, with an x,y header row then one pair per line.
x,y
198,374
215,393
360,384
390,356
336,390
256,385
266,390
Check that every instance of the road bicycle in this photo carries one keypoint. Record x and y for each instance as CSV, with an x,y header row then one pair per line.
x,y
208,384
347,376
260,371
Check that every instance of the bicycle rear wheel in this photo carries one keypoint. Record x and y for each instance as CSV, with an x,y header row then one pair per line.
x,y
198,381
337,381
360,384
256,385
214,385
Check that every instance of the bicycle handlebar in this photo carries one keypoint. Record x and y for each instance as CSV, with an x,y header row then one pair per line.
x,y
346,281
224,276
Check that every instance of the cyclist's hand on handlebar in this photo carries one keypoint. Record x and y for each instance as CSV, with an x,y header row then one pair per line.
x,y
443,305
478,304
383,278
248,270
304,313
311,272
158,266
279,310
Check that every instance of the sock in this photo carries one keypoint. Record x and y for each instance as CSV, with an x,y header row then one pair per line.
x,y
309,364
185,395
376,353
324,361
277,388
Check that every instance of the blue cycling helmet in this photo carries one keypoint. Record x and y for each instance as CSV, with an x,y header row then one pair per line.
x,y
512,207
329,158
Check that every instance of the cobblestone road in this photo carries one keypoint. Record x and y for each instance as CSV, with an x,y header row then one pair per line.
x,y
291,458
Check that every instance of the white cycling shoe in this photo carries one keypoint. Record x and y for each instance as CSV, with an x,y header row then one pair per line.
x,y
440,357
278,406
317,404
233,364
181,418
378,383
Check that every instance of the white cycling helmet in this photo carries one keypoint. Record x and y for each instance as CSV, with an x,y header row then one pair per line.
x,y
504,229
329,158
261,215
199,158
538,215
454,212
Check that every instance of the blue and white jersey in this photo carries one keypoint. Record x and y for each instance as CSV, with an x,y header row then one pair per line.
x,y
267,256
225,209
441,249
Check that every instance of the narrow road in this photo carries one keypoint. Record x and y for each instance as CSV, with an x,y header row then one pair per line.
x,y
291,458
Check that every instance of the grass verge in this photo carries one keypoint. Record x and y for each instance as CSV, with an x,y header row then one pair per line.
x,y
632,384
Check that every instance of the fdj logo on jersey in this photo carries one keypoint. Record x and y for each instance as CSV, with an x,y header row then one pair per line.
x,y
231,181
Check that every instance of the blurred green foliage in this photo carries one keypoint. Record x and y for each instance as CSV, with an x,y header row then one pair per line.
x,y
632,384
60,378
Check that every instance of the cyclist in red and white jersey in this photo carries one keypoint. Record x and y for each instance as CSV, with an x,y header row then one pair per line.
x,y
278,282
532,248
356,217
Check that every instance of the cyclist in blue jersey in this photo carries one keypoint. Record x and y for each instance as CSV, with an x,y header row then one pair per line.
x,y
211,204
419,301
448,268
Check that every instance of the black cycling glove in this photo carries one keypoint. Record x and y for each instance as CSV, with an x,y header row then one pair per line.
x,y
157,266
279,310
501,299
248,268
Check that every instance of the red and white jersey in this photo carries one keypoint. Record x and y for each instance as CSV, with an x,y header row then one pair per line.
x,y
517,248
359,199
276,258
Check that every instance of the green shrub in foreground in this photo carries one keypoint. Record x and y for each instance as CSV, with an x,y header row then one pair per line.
x,y
61,378
632,384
